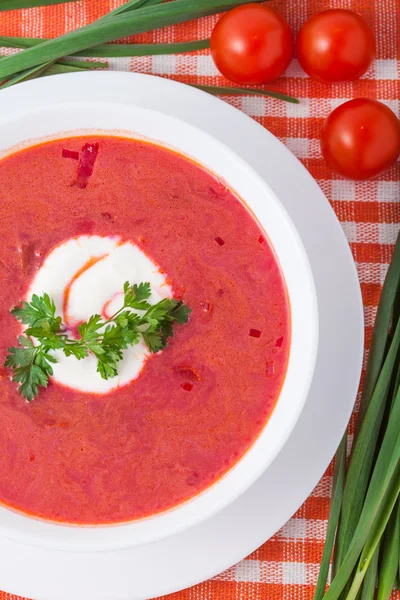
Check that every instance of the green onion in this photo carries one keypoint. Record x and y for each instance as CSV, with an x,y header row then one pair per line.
x,y
398,575
369,526
57,69
382,493
126,7
362,455
122,25
19,42
121,50
381,330
389,556
334,513
26,75
61,66
377,530
367,545
389,559
82,64
115,50
234,91
14,4
361,461
369,583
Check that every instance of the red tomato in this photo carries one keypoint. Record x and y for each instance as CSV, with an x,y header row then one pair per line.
x,y
336,45
252,44
361,138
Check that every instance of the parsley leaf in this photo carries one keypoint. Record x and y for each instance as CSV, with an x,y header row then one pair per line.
x,y
135,296
39,309
31,362
88,331
31,366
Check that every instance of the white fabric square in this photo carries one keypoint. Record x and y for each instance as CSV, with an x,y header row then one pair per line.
x,y
254,106
387,233
294,573
299,146
119,64
343,189
386,69
205,66
248,570
294,529
164,65
388,191
299,110
350,230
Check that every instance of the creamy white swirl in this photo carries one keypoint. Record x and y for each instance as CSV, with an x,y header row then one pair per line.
x,y
85,276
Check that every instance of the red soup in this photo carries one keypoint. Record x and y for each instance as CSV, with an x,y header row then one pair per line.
x,y
195,408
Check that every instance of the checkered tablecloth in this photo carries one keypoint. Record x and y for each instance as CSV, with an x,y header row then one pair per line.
x,y
286,567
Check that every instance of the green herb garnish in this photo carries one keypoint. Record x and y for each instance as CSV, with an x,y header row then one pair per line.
x,y
31,362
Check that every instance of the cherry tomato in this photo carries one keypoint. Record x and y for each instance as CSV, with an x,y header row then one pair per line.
x,y
252,44
336,45
361,138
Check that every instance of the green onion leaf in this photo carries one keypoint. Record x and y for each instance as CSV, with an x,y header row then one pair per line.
x,y
380,334
377,529
26,75
122,25
115,50
389,555
121,50
14,4
235,91
369,583
383,489
334,513
82,64
363,451
127,7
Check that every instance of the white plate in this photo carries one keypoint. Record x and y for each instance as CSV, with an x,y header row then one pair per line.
x,y
205,550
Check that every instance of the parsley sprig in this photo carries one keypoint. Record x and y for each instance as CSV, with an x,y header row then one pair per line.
x,y
32,362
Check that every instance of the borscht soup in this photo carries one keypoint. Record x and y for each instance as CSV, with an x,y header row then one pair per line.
x,y
145,329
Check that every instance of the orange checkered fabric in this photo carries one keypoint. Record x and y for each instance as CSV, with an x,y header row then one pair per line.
x,y
286,567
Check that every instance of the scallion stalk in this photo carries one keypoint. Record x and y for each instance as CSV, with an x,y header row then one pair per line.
x,y
115,50
16,4
334,513
129,23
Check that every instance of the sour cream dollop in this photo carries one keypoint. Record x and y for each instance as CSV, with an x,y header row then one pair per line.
x,y
85,276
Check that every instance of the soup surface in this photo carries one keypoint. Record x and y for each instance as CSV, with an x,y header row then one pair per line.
x,y
193,409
